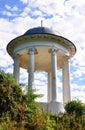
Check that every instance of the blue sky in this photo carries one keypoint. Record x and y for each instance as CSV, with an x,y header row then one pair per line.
x,y
67,17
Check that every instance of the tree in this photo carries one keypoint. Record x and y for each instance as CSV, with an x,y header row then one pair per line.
x,y
75,107
34,115
11,97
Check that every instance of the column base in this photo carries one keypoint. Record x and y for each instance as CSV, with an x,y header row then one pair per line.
x,y
54,107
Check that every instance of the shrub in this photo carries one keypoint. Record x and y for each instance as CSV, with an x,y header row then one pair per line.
x,y
11,97
75,107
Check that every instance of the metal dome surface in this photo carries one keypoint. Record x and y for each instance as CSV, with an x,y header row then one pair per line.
x,y
39,30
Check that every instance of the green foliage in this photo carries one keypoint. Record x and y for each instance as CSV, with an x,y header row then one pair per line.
x,y
33,114
31,95
11,97
68,122
49,122
75,107
19,111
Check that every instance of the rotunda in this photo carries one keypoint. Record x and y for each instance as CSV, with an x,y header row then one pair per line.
x,y
40,49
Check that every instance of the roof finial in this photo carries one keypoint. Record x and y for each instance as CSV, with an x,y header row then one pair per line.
x,y
41,23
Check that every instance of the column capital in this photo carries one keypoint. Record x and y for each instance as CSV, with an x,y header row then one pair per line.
x,y
16,56
53,50
66,57
32,51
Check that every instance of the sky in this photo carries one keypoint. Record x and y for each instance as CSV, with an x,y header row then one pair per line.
x,y
67,17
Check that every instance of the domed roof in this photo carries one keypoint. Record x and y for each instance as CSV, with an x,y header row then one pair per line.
x,y
39,30
40,34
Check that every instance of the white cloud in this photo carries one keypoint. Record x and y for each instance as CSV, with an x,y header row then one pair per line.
x,y
5,60
23,76
7,7
78,91
14,8
7,13
24,1
9,70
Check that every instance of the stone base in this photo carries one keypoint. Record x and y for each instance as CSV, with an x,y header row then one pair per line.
x,y
54,107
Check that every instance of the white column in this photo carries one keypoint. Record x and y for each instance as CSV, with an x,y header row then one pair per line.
x,y
54,72
16,70
49,96
66,81
31,68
